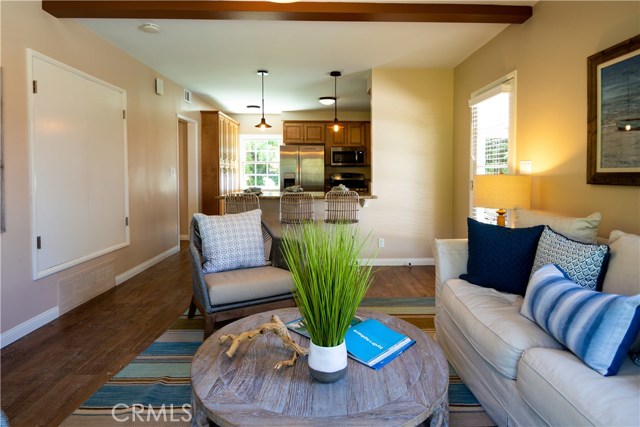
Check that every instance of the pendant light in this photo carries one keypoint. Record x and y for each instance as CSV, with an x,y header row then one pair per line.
x,y
336,126
263,124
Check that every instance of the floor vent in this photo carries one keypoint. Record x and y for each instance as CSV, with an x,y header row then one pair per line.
x,y
80,288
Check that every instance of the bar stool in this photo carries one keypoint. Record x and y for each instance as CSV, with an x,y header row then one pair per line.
x,y
296,208
341,207
240,202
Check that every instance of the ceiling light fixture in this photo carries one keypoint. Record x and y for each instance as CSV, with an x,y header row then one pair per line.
x,y
263,124
326,100
336,126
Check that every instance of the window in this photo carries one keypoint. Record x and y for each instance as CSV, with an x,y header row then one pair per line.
x,y
492,135
260,161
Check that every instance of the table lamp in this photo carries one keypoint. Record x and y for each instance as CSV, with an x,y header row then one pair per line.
x,y
502,192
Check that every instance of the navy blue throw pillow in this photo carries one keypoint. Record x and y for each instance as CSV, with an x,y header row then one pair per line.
x,y
501,257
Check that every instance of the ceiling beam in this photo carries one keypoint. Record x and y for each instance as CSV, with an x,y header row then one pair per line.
x,y
299,11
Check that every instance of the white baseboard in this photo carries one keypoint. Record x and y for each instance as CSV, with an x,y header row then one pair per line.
x,y
42,319
403,261
121,278
27,327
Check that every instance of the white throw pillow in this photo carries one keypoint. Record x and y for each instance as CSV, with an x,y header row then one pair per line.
x,y
231,242
623,274
583,230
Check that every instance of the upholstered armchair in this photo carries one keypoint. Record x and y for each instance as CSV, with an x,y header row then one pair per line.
x,y
230,275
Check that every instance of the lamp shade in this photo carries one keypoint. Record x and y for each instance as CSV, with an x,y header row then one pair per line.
x,y
502,191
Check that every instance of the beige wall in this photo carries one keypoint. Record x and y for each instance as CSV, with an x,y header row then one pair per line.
x,y
550,53
152,152
412,121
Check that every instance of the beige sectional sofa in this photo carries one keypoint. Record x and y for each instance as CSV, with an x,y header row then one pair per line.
x,y
519,373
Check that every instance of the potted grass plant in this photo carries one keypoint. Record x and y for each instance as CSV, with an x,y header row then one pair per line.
x,y
329,284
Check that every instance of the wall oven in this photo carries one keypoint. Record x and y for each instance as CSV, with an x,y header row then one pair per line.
x,y
347,156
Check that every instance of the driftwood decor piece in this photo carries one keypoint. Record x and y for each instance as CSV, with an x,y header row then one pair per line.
x,y
277,327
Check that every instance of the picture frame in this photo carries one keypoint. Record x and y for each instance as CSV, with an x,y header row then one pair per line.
x,y
613,115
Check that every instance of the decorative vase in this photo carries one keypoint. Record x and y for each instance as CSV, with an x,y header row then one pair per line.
x,y
327,364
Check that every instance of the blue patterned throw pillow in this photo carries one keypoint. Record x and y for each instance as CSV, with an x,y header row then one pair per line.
x,y
597,327
585,263
501,257
230,242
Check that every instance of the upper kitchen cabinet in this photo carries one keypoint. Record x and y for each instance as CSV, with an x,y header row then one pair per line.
x,y
354,134
220,156
303,132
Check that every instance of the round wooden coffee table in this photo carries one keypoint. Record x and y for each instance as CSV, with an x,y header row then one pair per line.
x,y
246,390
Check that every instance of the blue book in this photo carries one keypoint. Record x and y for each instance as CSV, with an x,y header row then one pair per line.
x,y
374,344
369,341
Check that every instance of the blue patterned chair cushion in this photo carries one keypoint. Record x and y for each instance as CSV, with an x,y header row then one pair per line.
x,y
501,257
585,263
231,242
597,327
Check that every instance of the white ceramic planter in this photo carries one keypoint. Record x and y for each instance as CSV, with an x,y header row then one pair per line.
x,y
328,364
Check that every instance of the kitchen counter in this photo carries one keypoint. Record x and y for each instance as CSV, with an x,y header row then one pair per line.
x,y
270,206
319,195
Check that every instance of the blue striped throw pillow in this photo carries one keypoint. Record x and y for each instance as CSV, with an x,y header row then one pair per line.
x,y
597,327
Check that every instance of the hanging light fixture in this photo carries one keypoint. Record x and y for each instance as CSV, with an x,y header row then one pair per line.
x,y
336,126
263,124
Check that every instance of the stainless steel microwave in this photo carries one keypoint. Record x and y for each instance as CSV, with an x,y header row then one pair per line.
x,y
347,156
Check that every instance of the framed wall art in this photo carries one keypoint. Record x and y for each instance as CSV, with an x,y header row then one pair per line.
x,y
613,96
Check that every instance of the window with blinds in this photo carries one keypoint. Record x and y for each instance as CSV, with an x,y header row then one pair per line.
x,y
492,135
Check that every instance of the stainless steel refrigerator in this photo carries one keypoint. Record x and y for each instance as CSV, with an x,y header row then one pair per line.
x,y
302,165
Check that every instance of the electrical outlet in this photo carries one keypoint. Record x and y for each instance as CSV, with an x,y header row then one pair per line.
x,y
381,242
526,167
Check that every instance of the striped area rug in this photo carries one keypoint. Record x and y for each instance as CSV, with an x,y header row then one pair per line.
x,y
154,389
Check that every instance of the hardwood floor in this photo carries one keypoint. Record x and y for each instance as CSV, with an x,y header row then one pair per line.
x,y
50,372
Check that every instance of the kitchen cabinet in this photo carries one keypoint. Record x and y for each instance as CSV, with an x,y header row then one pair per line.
x,y
303,132
354,134
220,159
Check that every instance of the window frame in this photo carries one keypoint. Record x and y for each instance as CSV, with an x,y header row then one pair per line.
x,y
506,84
244,139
